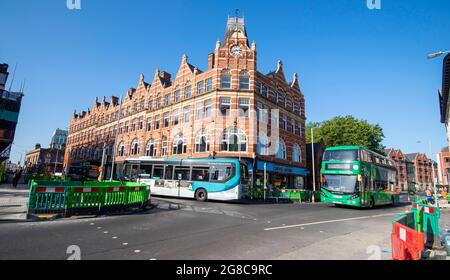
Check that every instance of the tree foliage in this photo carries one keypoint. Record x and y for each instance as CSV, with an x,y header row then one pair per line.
x,y
347,131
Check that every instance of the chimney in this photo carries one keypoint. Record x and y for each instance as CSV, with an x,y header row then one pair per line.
x,y
211,58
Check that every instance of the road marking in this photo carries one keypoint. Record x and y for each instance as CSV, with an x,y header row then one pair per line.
x,y
332,221
105,232
114,237
124,244
99,227
137,251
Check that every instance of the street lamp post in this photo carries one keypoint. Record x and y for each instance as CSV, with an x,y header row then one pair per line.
x,y
313,164
437,54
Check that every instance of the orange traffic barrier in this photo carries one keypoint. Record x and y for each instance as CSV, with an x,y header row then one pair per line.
x,y
407,243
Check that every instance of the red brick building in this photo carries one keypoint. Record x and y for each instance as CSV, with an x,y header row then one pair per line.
x,y
406,169
423,169
229,110
444,167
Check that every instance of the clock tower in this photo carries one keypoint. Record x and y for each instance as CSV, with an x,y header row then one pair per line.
x,y
235,54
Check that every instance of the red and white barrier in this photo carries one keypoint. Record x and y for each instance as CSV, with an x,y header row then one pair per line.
x,y
50,190
86,190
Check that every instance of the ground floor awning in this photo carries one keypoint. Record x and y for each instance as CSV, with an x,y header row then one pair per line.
x,y
282,169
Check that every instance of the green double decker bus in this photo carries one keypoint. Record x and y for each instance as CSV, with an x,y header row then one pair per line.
x,y
356,176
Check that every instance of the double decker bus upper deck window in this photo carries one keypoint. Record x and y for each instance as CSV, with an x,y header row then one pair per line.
x,y
347,155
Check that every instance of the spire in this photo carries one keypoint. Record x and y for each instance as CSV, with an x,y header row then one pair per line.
x,y
235,24
217,44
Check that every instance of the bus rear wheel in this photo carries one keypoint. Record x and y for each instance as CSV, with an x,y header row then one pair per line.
x,y
201,195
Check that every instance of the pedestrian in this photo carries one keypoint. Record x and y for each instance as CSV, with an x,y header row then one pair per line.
x,y
429,195
15,179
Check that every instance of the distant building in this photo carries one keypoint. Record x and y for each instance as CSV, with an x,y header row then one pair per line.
x,y
406,172
59,139
10,103
423,169
444,93
444,166
44,161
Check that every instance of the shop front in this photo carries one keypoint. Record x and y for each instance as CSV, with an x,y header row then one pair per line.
x,y
279,176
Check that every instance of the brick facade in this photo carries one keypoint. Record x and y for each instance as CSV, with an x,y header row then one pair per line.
x,y
444,167
200,113
423,170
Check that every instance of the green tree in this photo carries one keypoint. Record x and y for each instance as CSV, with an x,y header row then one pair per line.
x,y
347,131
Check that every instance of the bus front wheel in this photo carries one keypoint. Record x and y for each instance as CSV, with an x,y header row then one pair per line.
x,y
201,195
372,203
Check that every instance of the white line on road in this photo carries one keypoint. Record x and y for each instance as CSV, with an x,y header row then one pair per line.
x,y
332,221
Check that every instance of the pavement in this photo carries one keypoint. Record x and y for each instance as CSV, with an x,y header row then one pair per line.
x,y
13,202
177,229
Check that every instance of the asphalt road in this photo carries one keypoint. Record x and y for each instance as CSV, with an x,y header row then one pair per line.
x,y
187,229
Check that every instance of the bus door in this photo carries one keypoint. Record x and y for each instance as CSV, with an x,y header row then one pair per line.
x,y
363,190
182,175
131,172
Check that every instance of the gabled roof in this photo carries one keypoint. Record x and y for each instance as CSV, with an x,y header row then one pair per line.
x,y
412,156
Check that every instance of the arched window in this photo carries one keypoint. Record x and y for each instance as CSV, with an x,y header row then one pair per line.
x,y
202,141
225,79
296,153
179,145
121,150
150,150
234,140
134,147
244,80
263,144
281,153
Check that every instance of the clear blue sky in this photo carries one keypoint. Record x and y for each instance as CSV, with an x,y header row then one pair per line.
x,y
351,60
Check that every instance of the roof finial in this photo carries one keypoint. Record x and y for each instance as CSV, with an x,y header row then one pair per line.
x,y
280,65
217,44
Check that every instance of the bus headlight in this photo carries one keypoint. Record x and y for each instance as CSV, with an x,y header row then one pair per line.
x,y
355,167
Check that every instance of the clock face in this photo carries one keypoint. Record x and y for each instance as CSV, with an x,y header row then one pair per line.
x,y
236,50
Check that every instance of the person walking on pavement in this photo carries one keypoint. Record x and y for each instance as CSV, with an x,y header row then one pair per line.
x,y
16,178
429,195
